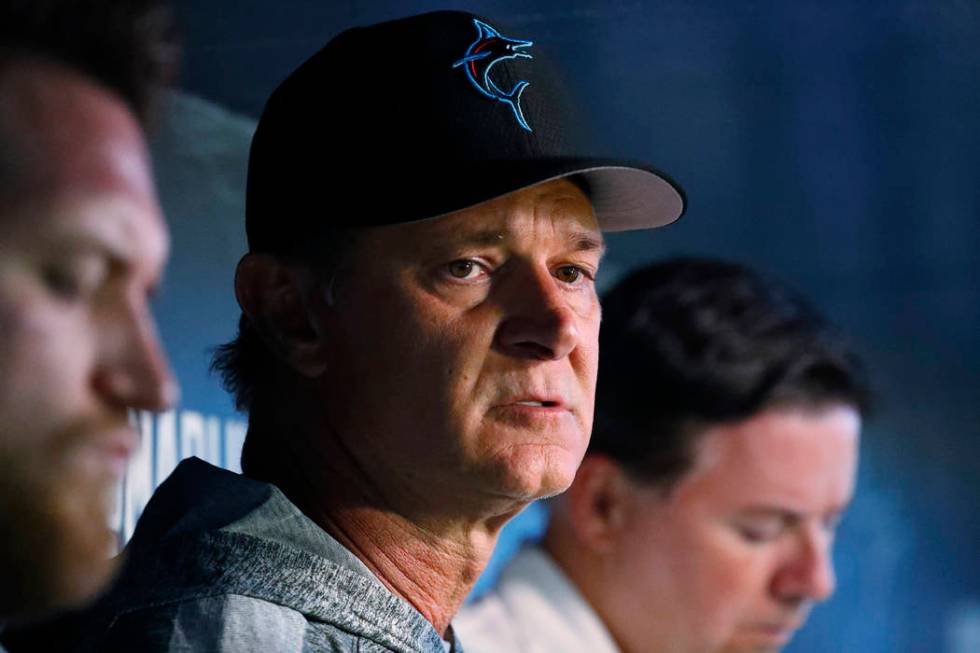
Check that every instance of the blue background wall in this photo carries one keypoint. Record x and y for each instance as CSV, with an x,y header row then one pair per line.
x,y
834,145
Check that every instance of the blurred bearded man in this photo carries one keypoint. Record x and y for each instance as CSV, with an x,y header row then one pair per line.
x,y
82,245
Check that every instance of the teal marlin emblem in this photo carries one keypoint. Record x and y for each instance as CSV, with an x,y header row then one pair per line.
x,y
488,49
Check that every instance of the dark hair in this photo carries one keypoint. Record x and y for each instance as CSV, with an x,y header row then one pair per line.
x,y
128,46
690,343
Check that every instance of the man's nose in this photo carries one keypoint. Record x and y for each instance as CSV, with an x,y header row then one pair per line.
x,y
538,321
809,573
132,370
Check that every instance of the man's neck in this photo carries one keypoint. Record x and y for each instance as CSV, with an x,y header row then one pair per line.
x,y
434,571
426,555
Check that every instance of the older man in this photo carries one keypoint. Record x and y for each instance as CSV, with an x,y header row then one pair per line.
x,y
417,351
82,244
702,518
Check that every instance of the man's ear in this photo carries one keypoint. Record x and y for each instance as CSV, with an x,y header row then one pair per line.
x,y
599,502
280,301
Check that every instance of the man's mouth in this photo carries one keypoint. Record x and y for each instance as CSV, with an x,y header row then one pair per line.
x,y
537,404
779,632
114,449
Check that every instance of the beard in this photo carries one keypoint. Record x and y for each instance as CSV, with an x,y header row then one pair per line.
x,y
55,502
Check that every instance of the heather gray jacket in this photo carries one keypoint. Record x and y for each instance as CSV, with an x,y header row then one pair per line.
x,y
221,563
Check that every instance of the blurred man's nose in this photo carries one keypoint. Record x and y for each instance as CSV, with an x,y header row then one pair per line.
x,y
538,321
808,574
133,371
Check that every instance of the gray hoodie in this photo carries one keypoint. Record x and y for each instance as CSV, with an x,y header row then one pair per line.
x,y
222,563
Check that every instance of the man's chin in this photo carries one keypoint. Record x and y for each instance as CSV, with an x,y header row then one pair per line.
x,y
759,642
554,484
540,477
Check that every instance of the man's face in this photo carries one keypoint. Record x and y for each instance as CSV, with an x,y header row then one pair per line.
x,y
734,557
82,243
464,351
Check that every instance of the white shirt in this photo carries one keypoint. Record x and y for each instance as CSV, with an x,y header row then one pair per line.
x,y
533,609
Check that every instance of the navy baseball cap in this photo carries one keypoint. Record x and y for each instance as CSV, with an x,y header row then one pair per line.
x,y
419,117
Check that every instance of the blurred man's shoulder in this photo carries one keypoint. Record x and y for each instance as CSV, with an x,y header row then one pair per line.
x,y
533,608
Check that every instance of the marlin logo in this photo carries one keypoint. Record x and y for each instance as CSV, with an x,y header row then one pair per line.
x,y
488,49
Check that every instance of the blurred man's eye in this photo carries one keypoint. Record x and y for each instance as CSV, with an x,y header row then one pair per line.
x,y
76,279
61,281
758,533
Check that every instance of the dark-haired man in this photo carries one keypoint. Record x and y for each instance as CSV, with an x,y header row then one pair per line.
x,y
82,244
417,351
703,515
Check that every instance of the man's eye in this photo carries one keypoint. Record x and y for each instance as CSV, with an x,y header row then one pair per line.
x,y
464,269
759,533
77,279
62,281
570,274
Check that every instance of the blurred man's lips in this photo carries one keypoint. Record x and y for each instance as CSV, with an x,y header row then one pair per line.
x,y
778,633
116,448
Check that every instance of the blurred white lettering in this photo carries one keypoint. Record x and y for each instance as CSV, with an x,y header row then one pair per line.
x,y
162,446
